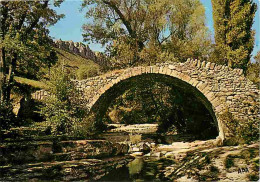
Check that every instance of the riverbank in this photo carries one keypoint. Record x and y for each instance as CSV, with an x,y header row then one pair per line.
x,y
204,161
227,163
70,170
133,154
32,155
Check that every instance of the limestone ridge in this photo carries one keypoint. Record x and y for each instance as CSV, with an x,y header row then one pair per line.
x,y
84,51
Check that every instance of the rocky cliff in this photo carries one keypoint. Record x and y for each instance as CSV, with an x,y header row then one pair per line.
x,y
84,51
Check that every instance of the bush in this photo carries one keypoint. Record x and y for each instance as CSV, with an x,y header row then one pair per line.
x,y
7,117
87,71
214,169
229,162
63,109
82,129
253,72
241,131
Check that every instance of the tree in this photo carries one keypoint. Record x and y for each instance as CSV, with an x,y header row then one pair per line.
x,y
189,36
137,31
24,42
146,32
257,57
63,109
253,71
233,20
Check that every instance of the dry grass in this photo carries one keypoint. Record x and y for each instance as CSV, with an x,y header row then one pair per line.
x,y
33,83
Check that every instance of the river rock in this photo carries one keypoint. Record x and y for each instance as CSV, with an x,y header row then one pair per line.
x,y
163,152
144,147
153,145
156,154
120,148
180,145
148,155
76,170
137,154
169,155
38,151
135,149
139,147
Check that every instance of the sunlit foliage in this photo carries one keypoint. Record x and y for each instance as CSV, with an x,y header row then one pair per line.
x,y
146,31
233,20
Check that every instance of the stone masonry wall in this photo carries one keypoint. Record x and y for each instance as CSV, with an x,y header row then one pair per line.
x,y
224,88
82,50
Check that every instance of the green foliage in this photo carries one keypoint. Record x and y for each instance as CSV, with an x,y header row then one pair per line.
x,y
145,32
86,71
7,117
153,54
257,57
25,45
229,162
233,20
84,128
63,109
74,65
241,131
207,159
253,70
253,177
214,169
32,83
189,35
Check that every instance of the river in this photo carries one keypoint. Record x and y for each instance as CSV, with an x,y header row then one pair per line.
x,y
140,169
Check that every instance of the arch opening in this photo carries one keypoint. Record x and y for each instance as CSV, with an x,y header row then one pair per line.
x,y
175,105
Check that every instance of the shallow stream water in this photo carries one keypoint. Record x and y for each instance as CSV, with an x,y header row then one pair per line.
x,y
140,169
150,138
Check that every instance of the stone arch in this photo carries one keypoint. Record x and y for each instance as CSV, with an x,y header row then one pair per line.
x,y
169,70
105,96
223,87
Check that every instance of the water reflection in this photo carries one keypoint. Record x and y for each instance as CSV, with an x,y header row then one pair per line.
x,y
140,169
135,167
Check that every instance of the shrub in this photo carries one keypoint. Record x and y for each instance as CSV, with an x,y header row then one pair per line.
x,y
82,129
253,71
241,131
87,71
214,169
253,177
7,117
63,109
229,162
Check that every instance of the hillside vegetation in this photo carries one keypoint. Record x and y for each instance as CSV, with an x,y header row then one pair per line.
x,y
75,65
33,83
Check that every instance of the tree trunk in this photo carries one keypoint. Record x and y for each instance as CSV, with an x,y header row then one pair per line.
x,y
230,64
2,76
10,78
4,14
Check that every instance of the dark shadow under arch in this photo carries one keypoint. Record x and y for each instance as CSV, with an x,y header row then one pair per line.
x,y
104,101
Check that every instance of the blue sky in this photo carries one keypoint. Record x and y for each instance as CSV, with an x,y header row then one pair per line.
x,y
69,28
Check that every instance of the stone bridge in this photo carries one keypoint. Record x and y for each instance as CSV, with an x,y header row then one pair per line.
x,y
219,87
